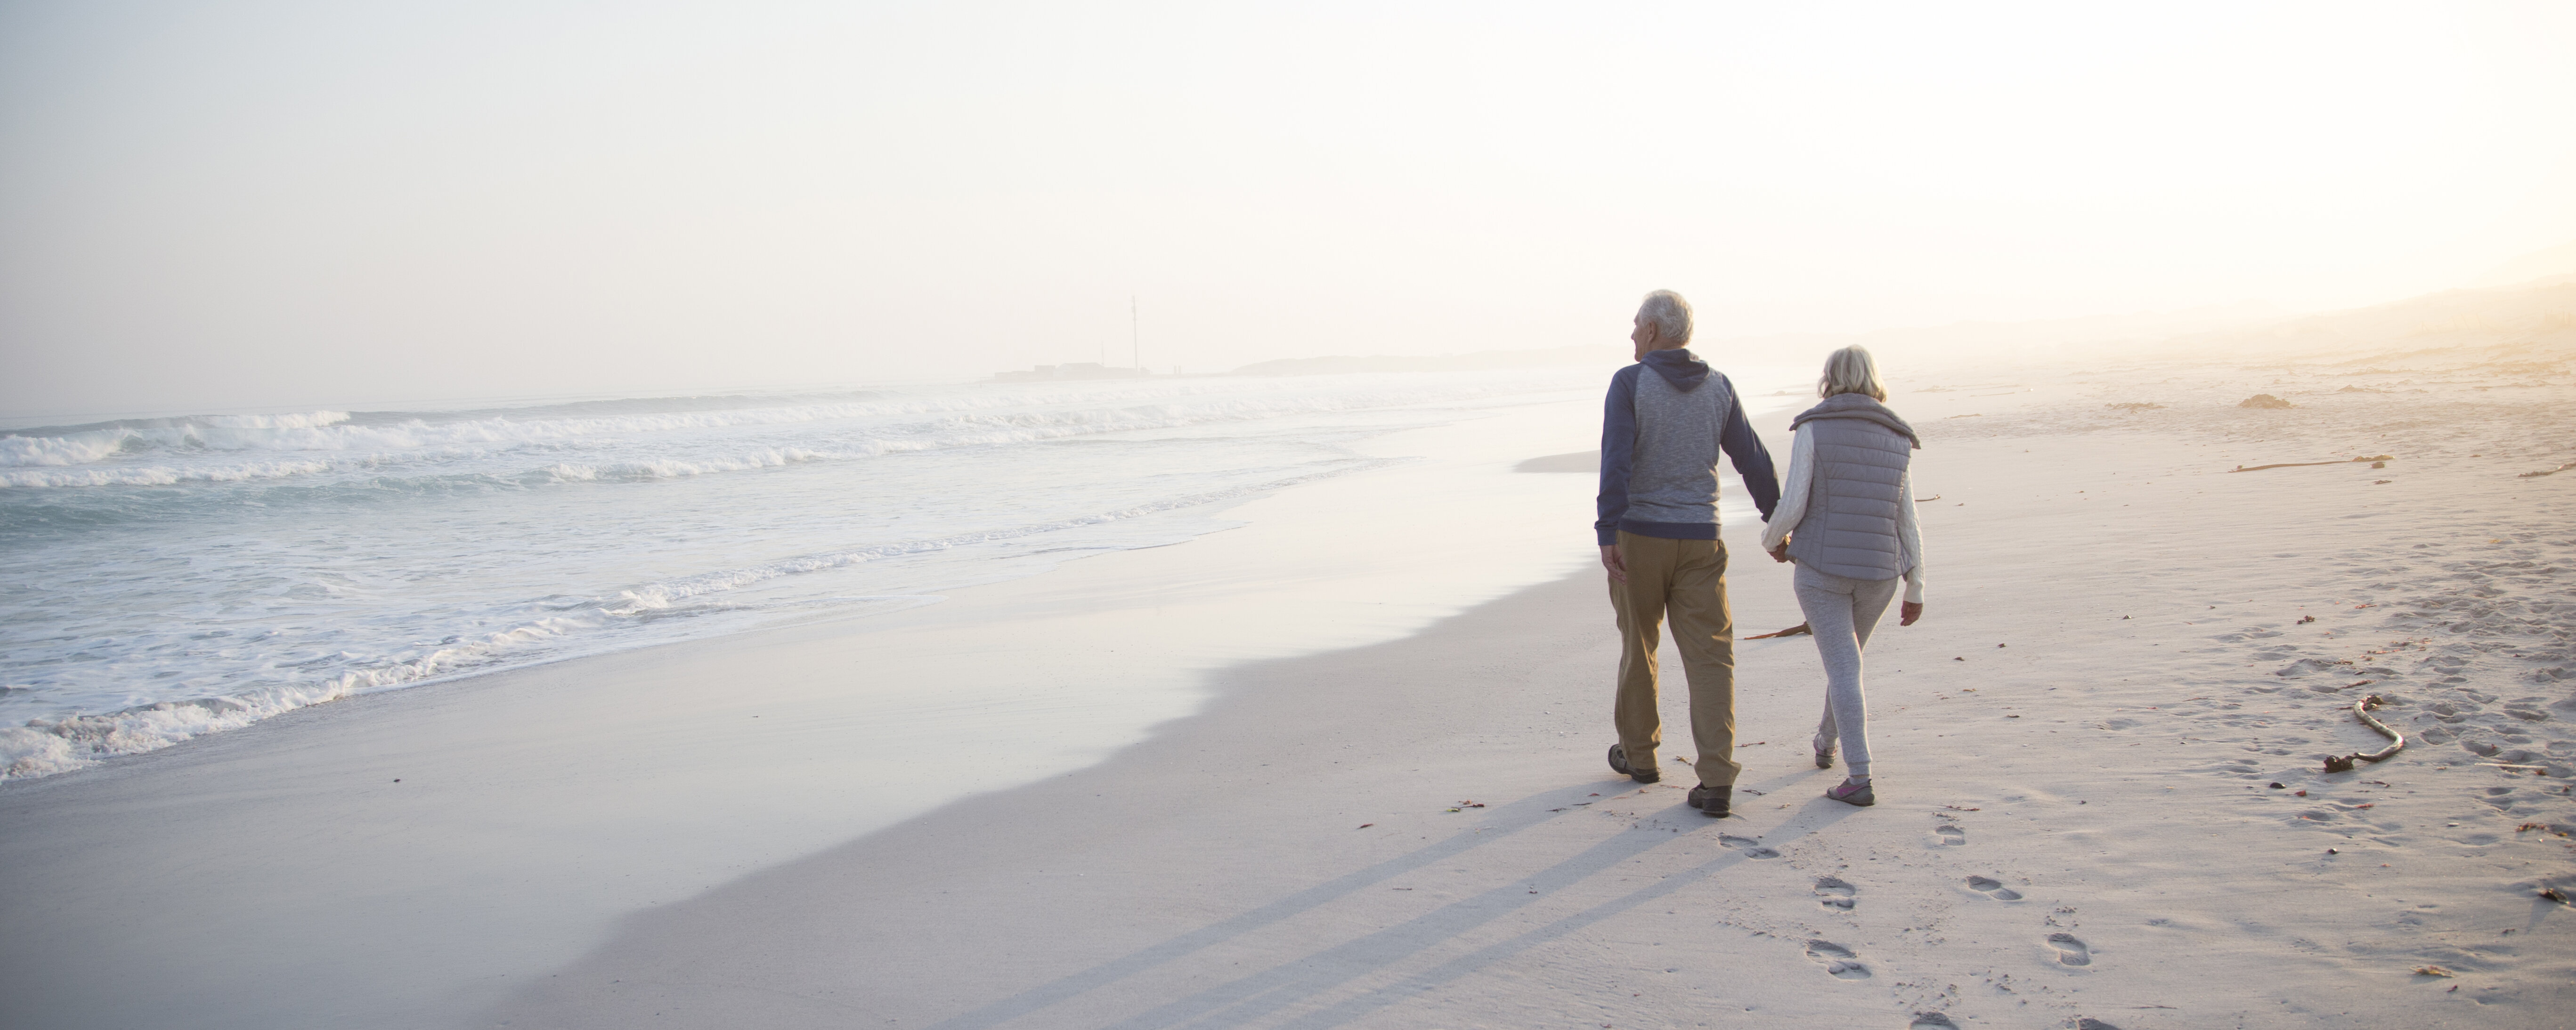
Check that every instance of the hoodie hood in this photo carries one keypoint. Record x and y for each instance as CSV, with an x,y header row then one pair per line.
x,y
1859,406
1679,367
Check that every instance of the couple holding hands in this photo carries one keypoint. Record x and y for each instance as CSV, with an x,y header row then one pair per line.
x,y
1847,520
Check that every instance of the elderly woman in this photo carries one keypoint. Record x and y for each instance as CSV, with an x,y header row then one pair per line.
x,y
1846,517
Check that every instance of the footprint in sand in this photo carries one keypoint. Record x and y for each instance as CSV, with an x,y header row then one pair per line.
x,y
1837,892
1950,836
1752,848
2070,952
1838,960
1993,888
1931,1021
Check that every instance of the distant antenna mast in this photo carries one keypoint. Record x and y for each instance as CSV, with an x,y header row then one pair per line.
x,y
1135,336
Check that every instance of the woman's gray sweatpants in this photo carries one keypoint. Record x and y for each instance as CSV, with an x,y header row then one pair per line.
x,y
1842,611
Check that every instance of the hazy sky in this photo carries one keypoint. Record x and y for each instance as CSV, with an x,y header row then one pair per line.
x,y
211,206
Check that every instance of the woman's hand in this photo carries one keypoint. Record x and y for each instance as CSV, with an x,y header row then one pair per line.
x,y
1781,553
1908,612
1611,560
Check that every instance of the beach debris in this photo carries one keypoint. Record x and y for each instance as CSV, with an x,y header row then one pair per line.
x,y
2544,472
2306,619
1927,500
2361,710
2553,894
2277,785
2382,458
1366,825
1793,631
1471,804
2133,406
1999,645
2381,482
2301,793
2332,851
2433,971
2264,400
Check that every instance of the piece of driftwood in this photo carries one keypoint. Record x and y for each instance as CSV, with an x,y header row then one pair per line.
x,y
1797,630
2361,710
2305,464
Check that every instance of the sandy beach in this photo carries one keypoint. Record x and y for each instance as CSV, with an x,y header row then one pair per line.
x,y
2099,762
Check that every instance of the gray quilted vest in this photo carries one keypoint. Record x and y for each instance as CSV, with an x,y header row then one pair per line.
x,y
1861,453
1673,477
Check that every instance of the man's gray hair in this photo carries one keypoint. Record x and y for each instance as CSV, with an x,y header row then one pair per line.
x,y
1851,370
1671,315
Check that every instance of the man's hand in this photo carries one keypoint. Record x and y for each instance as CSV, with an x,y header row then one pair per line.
x,y
1617,565
1908,612
1781,553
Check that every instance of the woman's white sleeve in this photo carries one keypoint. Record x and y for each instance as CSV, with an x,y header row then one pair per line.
x,y
1909,535
1793,497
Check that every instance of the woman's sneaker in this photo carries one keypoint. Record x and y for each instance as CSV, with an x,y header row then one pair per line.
x,y
1619,764
1824,758
1850,793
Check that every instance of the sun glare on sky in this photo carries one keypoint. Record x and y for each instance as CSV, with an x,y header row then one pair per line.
x,y
230,204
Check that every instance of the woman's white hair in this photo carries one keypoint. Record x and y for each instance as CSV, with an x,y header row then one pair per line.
x,y
1851,370
1671,315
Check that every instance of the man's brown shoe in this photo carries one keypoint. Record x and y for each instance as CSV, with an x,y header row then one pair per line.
x,y
1712,800
1619,764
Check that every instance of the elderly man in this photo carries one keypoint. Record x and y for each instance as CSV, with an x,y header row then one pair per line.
x,y
1667,418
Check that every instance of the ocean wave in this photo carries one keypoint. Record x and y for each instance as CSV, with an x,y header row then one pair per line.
x,y
634,471
44,747
305,420
1098,409
171,451
159,475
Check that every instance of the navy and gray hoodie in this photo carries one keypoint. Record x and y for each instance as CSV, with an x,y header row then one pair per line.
x,y
1660,438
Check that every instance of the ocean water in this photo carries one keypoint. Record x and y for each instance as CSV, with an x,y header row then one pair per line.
x,y
169,577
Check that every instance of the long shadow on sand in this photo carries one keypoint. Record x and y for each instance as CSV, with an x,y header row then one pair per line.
x,y
1252,997
1500,823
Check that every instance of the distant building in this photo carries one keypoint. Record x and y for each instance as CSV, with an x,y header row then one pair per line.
x,y
1076,370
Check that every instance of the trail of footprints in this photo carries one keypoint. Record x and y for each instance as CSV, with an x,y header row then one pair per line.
x,y
1843,963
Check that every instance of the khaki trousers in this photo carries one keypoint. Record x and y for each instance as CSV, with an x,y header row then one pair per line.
x,y
1684,582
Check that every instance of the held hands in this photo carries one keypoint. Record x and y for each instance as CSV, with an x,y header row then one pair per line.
x,y
1909,611
1781,553
1611,560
